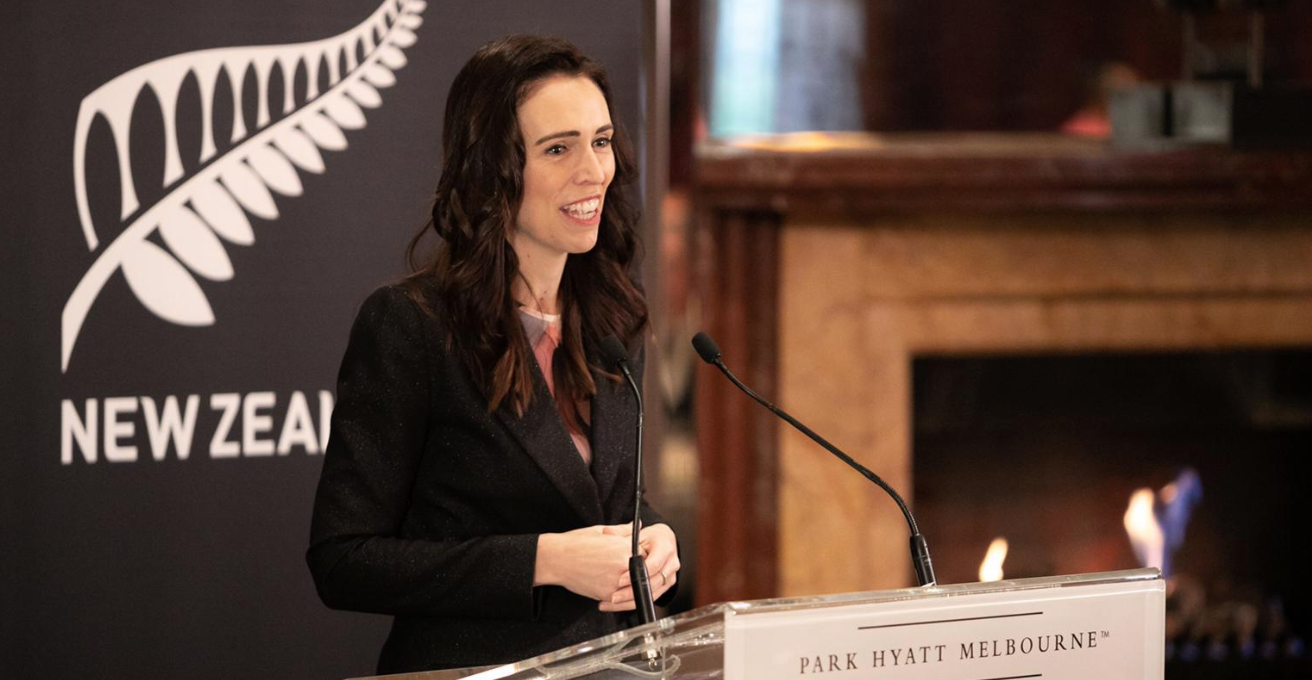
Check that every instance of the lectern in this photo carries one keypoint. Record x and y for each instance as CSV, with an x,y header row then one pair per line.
x,y
1088,626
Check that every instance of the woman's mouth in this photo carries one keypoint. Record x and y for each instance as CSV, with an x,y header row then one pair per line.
x,y
585,210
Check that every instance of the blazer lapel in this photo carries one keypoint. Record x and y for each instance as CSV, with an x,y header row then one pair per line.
x,y
614,430
542,434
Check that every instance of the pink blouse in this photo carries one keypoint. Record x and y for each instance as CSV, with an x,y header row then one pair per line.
x,y
544,334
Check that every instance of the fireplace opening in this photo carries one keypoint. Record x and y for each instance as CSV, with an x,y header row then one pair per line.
x,y
1046,452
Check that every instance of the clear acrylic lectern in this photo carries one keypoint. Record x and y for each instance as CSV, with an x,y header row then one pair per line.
x,y
1104,625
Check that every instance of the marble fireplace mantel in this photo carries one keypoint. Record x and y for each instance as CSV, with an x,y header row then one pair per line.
x,y
828,262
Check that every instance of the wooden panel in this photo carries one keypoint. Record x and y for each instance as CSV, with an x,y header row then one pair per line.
x,y
736,526
863,173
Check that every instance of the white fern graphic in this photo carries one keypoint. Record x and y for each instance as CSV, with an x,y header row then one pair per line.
x,y
212,203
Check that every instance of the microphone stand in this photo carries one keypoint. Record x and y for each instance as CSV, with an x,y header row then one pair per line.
x,y
638,576
613,350
920,560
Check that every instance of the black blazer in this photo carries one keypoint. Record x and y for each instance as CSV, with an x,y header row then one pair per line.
x,y
429,507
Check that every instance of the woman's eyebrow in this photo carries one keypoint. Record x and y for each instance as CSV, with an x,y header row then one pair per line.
x,y
571,133
557,135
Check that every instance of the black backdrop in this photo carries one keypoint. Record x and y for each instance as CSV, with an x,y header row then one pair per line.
x,y
115,563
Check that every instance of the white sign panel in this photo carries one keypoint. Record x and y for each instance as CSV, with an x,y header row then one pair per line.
x,y
1082,632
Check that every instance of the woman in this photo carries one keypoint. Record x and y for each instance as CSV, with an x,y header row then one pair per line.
x,y
476,482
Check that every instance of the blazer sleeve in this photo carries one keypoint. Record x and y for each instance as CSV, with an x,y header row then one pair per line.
x,y
380,424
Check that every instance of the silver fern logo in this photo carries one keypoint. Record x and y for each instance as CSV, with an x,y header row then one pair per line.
x,y
210,206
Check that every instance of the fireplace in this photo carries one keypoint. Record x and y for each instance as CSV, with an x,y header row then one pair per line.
x,y
836,276
1046,450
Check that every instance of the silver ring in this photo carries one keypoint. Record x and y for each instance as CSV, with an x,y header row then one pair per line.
x,y
664,578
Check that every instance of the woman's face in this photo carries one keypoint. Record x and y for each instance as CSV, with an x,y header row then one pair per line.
x,y
568,164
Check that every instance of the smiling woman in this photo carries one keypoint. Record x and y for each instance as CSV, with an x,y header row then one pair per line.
x,y
566,174
478,482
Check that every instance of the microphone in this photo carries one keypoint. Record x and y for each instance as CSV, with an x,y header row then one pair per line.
x,y
612,350
710,353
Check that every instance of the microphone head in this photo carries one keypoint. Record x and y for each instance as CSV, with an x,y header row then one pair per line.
x,y
612,350
706,348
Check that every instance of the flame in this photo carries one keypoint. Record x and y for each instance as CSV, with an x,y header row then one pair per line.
x,y
1145,532
991,568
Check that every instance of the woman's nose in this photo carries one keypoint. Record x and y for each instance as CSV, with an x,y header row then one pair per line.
x,y
590,169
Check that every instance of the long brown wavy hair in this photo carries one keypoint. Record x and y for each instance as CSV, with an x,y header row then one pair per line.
x,y
474,212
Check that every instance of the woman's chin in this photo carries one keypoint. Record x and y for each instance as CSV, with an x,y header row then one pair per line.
x,y
584,243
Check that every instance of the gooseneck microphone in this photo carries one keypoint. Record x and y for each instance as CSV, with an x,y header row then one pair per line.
x,y
612,350
710,353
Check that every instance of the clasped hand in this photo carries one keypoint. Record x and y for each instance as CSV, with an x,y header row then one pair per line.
x,y
594,562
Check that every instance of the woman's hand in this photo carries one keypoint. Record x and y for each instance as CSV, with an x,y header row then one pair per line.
x,y
587,561
661,548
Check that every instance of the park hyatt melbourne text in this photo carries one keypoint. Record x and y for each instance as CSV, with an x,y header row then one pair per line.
x,y
965,651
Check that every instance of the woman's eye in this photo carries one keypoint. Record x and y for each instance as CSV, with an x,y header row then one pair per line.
x,y
555,149
602,142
